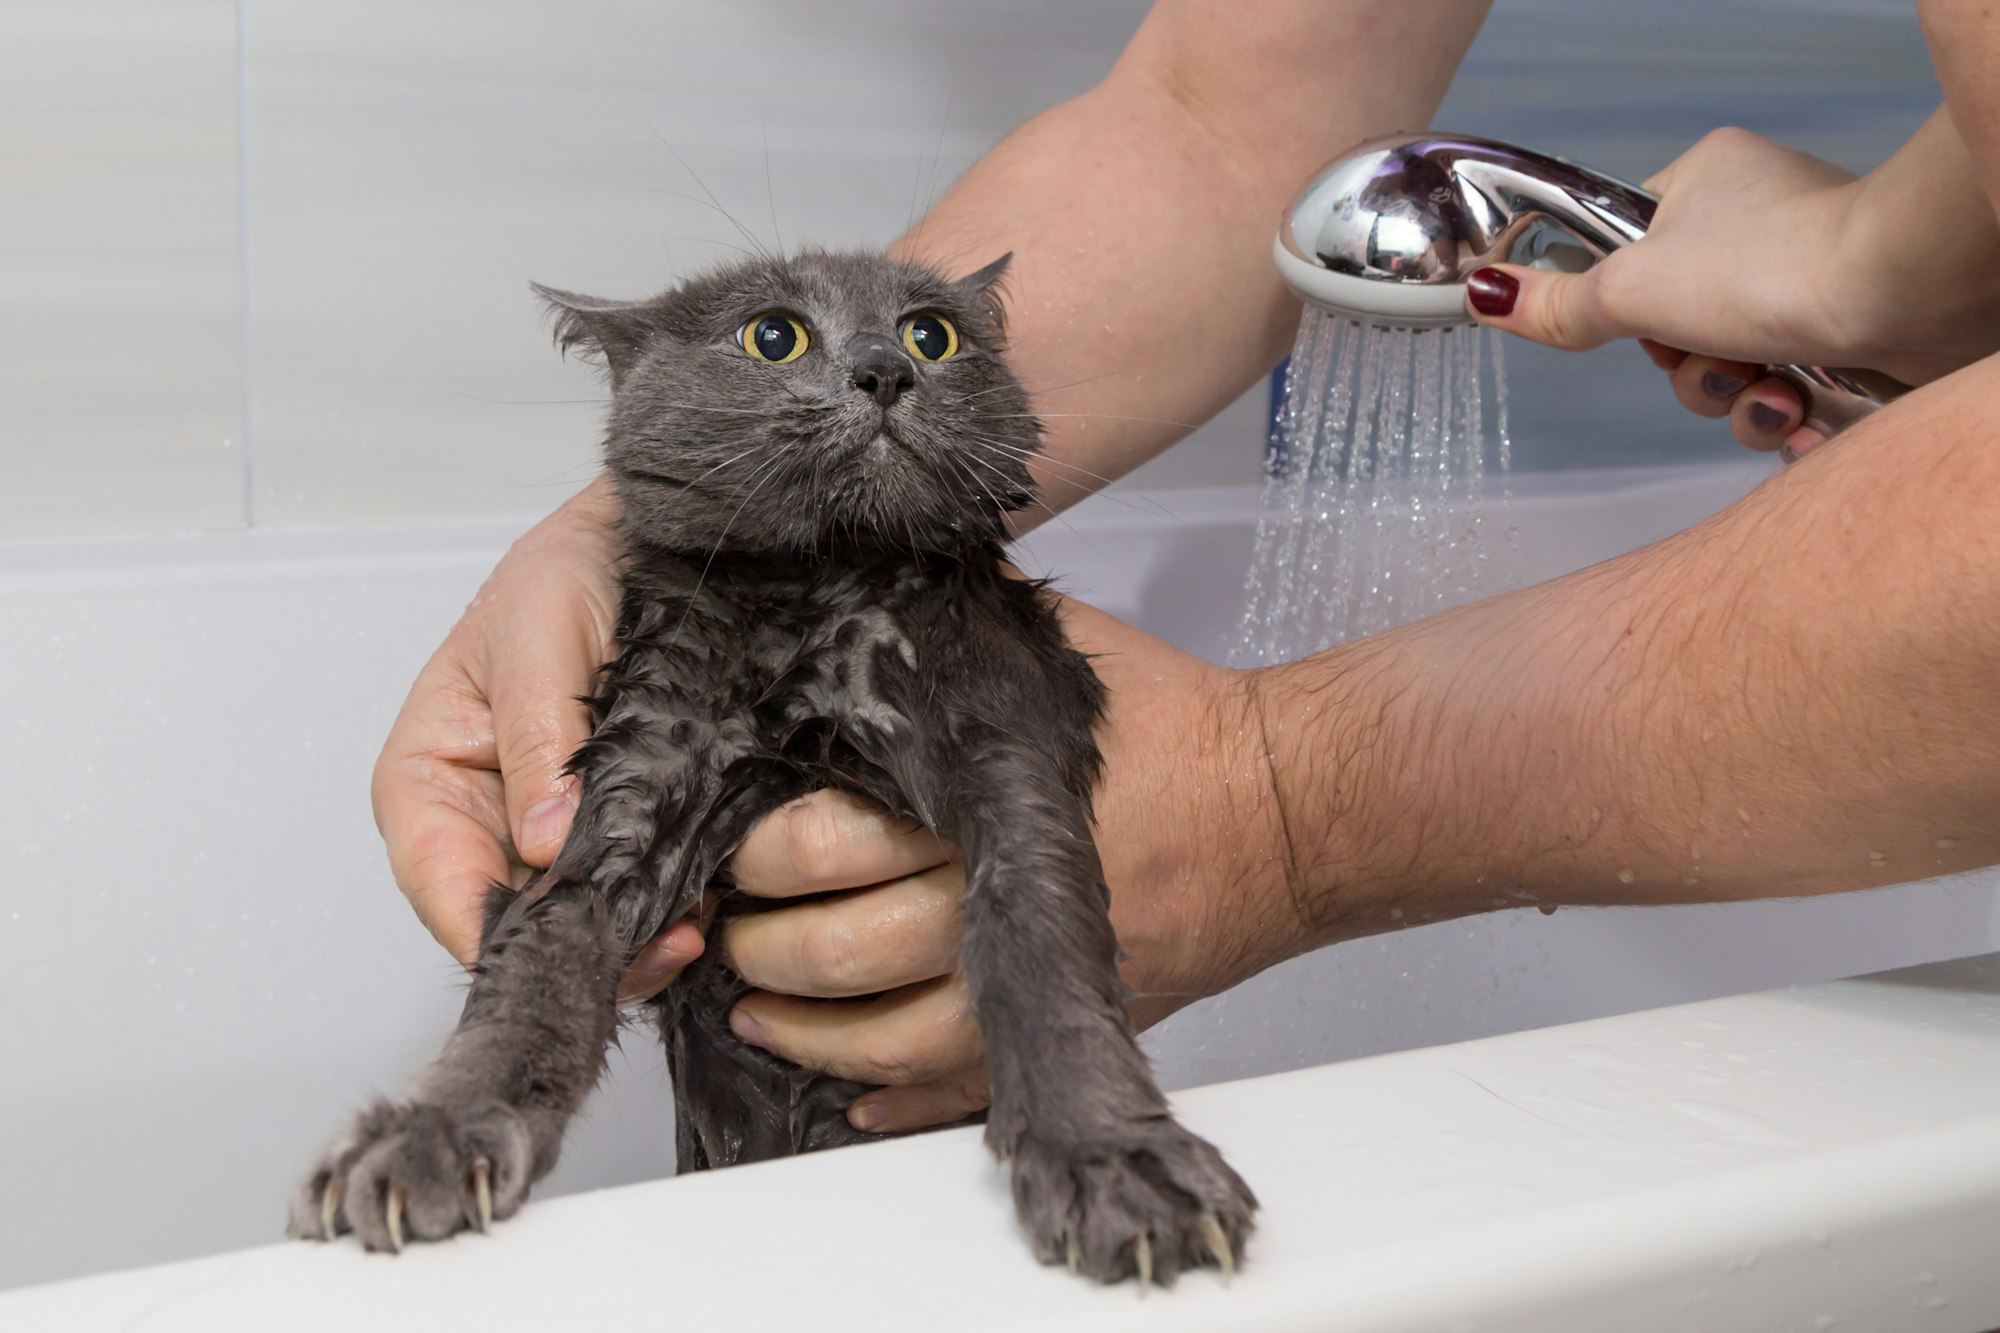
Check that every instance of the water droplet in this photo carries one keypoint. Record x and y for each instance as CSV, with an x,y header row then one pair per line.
x,y
1372,508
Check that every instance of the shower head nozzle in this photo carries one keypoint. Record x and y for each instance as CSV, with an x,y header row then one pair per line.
x,y
1389,233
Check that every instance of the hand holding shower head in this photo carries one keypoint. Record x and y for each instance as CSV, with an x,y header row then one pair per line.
x,y
1389,233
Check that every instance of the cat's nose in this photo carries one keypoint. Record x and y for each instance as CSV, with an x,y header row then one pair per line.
x,y
880,369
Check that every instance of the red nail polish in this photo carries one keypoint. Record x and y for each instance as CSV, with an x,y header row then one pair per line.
x,y
1493,292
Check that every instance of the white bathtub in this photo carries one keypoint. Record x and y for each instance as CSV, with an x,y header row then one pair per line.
x,y
204,965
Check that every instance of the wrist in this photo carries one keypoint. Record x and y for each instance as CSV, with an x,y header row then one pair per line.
x,y
1315,748
1383,772
1917,311
1256,863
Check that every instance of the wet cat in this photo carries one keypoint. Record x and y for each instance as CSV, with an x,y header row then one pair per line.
x,y
815,457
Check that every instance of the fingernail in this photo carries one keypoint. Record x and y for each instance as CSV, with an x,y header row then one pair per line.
x,y
546,822
745,1026
1768,418
1722,384
867,1116
1493,292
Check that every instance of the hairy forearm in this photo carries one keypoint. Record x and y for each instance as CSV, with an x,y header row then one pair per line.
x,y
1142,298
1801,695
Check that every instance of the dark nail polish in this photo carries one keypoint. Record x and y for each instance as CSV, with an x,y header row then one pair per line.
x,y
1722,384
1768,418
1493,292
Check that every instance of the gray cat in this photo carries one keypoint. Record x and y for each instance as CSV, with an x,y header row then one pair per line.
x,y
815,457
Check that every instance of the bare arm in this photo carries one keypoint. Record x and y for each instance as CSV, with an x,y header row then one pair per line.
x,y
1801,695
1898,270
1142,296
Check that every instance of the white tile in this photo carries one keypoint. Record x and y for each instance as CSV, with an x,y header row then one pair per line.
x,y
411,167
119,341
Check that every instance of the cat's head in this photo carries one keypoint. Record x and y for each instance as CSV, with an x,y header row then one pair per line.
x,y
810,403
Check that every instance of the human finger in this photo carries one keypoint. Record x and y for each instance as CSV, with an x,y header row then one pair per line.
x,y
442,827
659,962
910,1035
898,1110
438,805
1565,310
858,943
831,840
539,662
1708,387
1665,357
1766,414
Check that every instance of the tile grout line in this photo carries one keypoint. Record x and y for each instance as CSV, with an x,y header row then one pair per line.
x,y
243,263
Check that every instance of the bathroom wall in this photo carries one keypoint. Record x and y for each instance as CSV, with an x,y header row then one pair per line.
x,y
264,262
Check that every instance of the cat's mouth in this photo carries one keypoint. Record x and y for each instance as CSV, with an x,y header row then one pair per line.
x,y
884,446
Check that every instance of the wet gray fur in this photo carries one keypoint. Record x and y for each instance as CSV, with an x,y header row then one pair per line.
x,y
813,598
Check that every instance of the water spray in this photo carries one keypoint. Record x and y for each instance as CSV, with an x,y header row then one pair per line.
x,y
1376,511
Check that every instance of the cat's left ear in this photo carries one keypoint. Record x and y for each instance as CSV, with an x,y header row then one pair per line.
x,y
982,290
614,331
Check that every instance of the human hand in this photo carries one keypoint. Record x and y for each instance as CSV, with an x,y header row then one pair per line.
x,y
469,788
864,981
1758,255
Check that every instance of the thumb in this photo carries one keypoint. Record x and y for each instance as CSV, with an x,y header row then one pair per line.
x,y
1563,310
538,723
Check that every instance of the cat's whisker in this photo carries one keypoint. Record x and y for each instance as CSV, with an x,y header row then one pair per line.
x,y
733,458
1038,503
528,402
1035,458
770,196
725,411
745,232
1087,416
779,380
1034,392
763,473
964,464
710,240
937,162
1037,455
1151,507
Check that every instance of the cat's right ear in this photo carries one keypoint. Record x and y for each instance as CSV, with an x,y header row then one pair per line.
x,y
614,332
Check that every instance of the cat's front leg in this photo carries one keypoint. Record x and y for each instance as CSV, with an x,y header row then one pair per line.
x,y
486,1119
1104,1179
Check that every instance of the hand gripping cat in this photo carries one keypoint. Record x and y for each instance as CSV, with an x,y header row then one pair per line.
x,y
815,456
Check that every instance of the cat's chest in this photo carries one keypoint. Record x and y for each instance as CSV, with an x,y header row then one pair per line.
x,y
857,670
842,650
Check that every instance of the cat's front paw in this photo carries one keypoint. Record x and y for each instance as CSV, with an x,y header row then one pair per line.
x,y
1146,1199
412,1169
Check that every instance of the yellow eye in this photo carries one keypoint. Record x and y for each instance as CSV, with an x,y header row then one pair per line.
x,y
930,337
775,337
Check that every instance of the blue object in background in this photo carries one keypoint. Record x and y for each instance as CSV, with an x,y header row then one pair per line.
x,y
1274,439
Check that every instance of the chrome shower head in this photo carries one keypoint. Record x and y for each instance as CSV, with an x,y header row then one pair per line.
x,y
1389,233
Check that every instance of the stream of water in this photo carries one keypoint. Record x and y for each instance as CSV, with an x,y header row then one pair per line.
x,y
1376,508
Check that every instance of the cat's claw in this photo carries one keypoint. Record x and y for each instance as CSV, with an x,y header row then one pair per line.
x,y
1218,1245
409,1172
482,1193
329,1211
1147,1201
